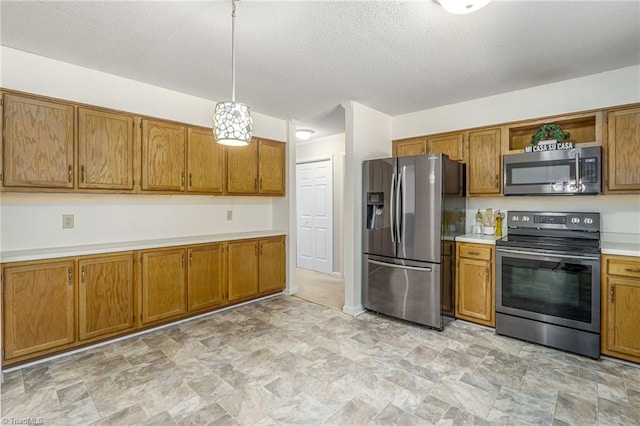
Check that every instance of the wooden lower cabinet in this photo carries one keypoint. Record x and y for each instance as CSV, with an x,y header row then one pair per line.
x,y
271,265
38,307
206,283
620,300
163,284
475,298
105,295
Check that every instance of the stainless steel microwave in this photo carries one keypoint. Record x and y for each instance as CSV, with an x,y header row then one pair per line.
x,y
576,171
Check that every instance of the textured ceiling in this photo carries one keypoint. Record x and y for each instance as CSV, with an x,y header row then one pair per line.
x,y
300,59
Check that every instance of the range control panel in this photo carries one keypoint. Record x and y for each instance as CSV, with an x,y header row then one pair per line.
x,y
554,220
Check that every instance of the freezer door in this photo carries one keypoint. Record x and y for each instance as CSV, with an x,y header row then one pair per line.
x,y
420,207
403,289
379,182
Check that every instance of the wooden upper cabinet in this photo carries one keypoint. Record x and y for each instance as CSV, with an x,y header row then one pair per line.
x,y
242,169
205,162
484,162
105,150
271,156
38,143
163,284
451,144
243,269
105,302
163,156
272,264
409,147
206,281
38,307
623,150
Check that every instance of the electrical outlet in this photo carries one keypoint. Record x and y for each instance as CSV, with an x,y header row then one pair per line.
x,y
229,214
67,221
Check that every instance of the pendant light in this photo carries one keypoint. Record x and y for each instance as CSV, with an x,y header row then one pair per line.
x,y
232,121
462,6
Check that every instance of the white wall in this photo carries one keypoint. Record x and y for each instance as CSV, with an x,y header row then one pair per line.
x,y
619,213
330,147
368,136
35,220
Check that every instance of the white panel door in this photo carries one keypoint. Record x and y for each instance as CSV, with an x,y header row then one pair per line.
x,y
314,194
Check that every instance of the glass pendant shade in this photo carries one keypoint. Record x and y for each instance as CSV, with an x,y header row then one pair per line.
x,y
232,124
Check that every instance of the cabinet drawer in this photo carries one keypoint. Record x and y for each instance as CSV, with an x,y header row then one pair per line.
x,y
623,268
475,252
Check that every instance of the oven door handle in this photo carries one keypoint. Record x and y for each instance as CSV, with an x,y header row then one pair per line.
x,y
535,253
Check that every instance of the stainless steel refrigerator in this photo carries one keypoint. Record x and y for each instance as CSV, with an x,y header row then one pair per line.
x,y
411,207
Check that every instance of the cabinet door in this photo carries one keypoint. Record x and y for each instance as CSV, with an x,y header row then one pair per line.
x,y
38,143
447,144
105,150
243,269
622,316
206,281
38,308
409,147
105,304
271,167
163,284
624,150
242,169
205,162
474,291
484,162
272,265
163,153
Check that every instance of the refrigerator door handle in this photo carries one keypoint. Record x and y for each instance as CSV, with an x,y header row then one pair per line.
x,y
399,213
393,265
392,218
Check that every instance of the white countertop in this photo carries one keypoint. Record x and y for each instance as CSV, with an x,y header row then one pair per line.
x,y
478,238
56,252
620,244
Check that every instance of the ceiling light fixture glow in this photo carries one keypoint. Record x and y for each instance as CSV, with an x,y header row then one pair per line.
x,y
462,6
232,121
304,134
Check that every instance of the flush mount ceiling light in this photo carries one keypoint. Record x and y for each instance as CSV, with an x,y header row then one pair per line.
x,y
304,134
232,121
462,6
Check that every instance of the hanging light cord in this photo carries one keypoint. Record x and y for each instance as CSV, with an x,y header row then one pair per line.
x,y
233,51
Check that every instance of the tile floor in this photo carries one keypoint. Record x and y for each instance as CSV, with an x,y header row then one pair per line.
x,y
288,361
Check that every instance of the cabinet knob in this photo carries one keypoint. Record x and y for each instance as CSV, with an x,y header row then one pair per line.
x,y
182,179
84,275
632,269
611,293
81,173
70,173
190,180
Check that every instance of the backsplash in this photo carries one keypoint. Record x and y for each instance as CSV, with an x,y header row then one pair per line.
x,y
618,213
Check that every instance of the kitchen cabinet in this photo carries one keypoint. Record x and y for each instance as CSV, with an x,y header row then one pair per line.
x,y
450,144
475,298
105,150
205,162
256,266
409,147
243,269
163,284
206,281
623,150
271,264
38,307
105,295
448,278
163,156
38,143
619,306
484,162
256,169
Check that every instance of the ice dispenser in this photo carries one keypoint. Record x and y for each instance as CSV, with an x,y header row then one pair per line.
x,y
375,209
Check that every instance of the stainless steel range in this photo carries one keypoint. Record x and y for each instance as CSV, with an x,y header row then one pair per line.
x,y
548,280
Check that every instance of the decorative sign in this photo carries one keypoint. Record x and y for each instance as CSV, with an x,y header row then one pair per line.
x,y
548,146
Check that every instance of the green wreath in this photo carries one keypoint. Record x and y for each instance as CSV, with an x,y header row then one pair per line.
x,y
549,131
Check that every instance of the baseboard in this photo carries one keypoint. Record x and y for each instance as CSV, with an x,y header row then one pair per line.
x,y
353,310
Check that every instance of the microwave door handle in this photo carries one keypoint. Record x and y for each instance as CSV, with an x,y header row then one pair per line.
x,y
392,202
577,171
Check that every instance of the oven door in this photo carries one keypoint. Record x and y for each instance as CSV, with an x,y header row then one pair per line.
x,y
551,288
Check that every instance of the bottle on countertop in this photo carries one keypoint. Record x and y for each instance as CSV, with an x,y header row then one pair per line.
x,y
499,224
477,229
